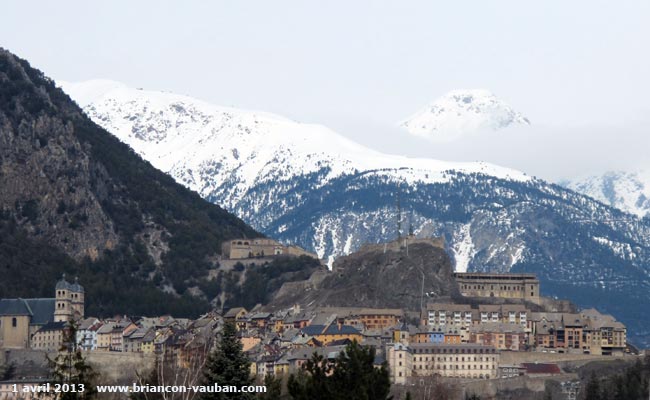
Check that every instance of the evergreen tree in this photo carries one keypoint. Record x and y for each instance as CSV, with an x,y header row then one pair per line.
x,y
313,383
352,376
273,388
592,392
355,376
69,367
8,372
227,365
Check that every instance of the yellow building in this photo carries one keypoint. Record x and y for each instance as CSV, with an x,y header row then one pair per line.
x,y
20,319
326,334
455,361
50,337
69,301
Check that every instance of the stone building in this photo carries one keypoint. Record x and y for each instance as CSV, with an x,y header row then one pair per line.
x,y
69,301
455,361
21,319
238,249
469,361
509,286
400,362
50,337
503,336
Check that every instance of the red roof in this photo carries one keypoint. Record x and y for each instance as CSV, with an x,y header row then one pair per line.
x,y
537,368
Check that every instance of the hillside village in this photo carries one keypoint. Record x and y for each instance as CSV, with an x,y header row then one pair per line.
x,y
453,339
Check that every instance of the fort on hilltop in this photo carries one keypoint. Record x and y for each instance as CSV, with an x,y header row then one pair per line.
x,y
239,249
508,286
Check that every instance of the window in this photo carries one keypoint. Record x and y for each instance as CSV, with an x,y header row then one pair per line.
x,y
14,322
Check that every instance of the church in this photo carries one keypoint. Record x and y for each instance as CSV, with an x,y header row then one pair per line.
x,y
24,320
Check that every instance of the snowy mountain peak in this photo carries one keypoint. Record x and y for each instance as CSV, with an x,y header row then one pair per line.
x,y
627,191
203,145
462,112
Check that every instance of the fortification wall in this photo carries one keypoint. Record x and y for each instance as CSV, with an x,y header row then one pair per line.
x,y
517,357
120,368
490,388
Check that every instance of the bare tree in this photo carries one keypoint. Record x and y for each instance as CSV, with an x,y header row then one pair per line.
x,y
179,365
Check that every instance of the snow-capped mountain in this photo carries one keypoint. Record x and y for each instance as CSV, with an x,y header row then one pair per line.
x,y
627,191
305,184
462,112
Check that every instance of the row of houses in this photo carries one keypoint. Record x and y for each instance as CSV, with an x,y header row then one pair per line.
x,y
364,318
516,328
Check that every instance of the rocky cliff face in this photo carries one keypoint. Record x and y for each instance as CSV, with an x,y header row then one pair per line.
x,y
46,175
379,276
69,187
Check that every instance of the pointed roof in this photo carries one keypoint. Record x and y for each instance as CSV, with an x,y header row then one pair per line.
x,y
62,284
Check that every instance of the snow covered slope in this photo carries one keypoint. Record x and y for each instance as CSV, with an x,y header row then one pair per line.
x,y
203,145
462,112
305,184
627,191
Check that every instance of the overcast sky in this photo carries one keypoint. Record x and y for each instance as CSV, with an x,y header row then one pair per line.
x,y
579,70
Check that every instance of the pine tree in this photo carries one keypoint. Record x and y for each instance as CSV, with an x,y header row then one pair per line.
x,y
592,392
355,376
8,372
69,367
227,365
352,376
313,382
273,388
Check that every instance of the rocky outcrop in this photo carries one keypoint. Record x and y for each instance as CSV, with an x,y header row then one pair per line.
x,y
391,276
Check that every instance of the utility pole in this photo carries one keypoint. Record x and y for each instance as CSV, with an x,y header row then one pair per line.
x,y
399,216
422,291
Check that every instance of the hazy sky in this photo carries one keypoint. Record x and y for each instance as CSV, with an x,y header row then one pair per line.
x,y
579,70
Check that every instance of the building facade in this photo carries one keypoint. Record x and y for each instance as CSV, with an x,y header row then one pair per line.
x,y
469,361
21,319
509,286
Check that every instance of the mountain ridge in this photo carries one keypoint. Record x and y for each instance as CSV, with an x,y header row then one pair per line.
x,y
326,198
628,191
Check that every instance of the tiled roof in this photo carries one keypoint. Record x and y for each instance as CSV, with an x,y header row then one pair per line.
x,y
312,330
65,285
538,368
335,329
14,307
233,312
53,326
40,310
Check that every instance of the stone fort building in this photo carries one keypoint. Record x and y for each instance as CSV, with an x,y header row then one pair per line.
x,y
509,286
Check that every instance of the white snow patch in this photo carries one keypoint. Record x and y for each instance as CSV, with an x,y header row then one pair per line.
x,y
463,248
